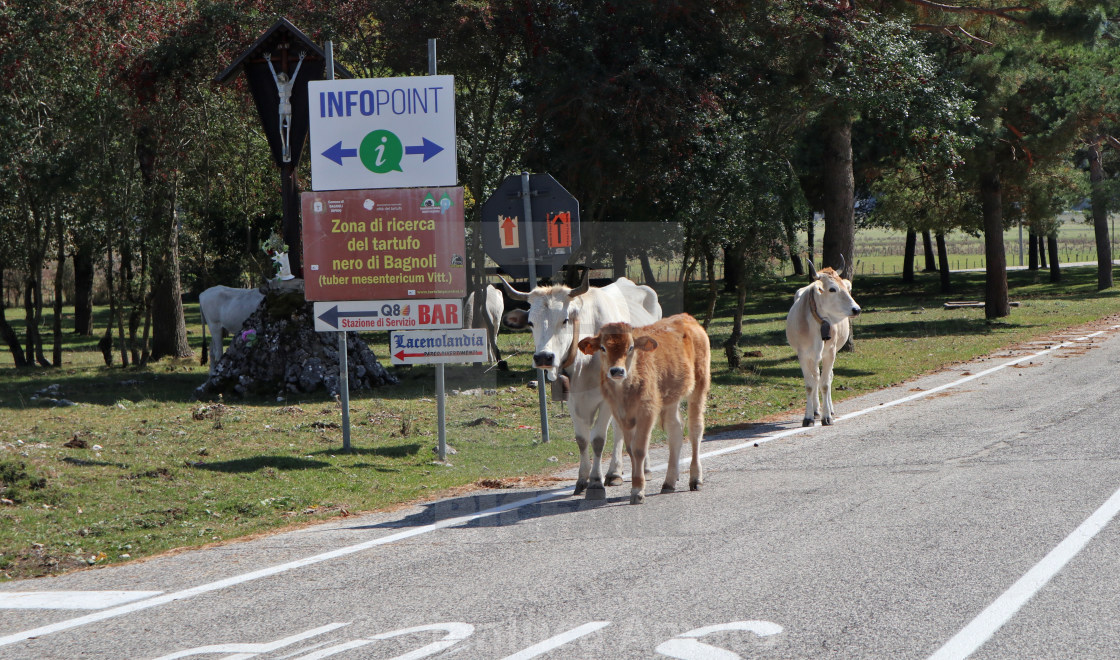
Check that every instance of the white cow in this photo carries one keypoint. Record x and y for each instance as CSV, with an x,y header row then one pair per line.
x,y
816,327
559,317
224,308
491,320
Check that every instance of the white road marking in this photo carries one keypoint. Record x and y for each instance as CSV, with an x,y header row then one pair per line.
x,y
69,600
558,640
451,522
250,650
980,629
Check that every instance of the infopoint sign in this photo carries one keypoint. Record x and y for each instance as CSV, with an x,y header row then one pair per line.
x,y
384,244
382,132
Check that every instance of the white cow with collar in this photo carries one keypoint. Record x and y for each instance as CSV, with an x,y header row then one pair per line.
x,y
816,327
559,317
224,308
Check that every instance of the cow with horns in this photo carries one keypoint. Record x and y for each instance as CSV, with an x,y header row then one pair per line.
x,y
817,326
559,317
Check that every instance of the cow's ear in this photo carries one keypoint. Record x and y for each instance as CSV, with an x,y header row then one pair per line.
x,y
847,285
516,319
588,345
645,343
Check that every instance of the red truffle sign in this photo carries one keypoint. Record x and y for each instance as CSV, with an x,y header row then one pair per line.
x,y
395,243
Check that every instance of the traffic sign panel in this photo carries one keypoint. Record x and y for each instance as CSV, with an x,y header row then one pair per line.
x,y
382,132
374,315
555,218
435,346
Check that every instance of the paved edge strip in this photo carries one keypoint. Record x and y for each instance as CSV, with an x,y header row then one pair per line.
x,y
451,522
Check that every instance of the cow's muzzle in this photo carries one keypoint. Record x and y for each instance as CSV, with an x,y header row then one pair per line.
x,y
855,310
543,360
617,373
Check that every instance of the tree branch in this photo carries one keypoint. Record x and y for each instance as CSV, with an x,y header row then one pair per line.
x,y
1001,12
949,30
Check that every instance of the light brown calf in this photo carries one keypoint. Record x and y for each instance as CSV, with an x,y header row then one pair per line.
x,y
644,373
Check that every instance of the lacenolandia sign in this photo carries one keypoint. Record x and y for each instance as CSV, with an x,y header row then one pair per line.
x,y
382,132
437,346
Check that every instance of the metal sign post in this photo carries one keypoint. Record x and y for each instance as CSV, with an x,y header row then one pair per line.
x,y
441,397
527,205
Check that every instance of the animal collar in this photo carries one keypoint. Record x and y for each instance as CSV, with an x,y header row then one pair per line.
x,y
826,327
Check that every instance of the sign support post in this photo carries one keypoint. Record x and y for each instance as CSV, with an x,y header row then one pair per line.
x,y
529,243
441,397
343,366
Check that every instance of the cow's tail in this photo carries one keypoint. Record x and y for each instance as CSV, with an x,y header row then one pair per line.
x,y
205,342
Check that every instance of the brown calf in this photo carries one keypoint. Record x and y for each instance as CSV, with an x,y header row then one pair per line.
x,y
644,374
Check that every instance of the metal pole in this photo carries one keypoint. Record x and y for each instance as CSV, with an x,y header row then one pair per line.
x,y
344,390
343,363
530,245
441,398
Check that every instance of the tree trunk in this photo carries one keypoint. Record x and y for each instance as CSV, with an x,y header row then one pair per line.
x,y
731,346
931,265
169,329
791,243
1032,251
943,260
908,256
995,289
838,184
8,334
1041,251
647,269
811,231
713,289
1100,216
1055,267
56,327
733,265
83,288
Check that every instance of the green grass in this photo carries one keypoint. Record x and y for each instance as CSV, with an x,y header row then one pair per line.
x,y
173,472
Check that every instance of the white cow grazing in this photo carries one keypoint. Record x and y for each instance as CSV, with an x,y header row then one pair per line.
x,y
816,327
492,320
559,317
225,308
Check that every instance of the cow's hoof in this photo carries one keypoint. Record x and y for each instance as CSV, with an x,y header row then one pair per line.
x,y
808,421
614,480
637,498
580,487
826,421
695,485
596,493
668,488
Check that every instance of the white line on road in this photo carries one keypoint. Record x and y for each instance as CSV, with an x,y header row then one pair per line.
x,y
980,629
451,522
558,640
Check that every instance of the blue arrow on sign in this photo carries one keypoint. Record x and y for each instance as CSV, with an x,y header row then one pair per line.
x,y
337,153
427,148
330,317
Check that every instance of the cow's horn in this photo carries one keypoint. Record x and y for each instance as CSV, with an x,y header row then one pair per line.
x,y
843,264
812,270
513,293
584,285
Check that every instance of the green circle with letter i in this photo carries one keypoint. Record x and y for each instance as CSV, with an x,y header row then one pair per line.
x,y
381,152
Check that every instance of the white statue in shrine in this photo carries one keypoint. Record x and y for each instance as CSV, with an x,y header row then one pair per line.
x,y
284,86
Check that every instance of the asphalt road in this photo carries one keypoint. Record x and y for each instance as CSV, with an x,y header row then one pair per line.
x,y
967,513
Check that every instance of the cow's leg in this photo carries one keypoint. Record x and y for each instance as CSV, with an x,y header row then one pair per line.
x,y
826,387
216,345
595,488
812,382
638,445
674,429
696,404
582,427
614,471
